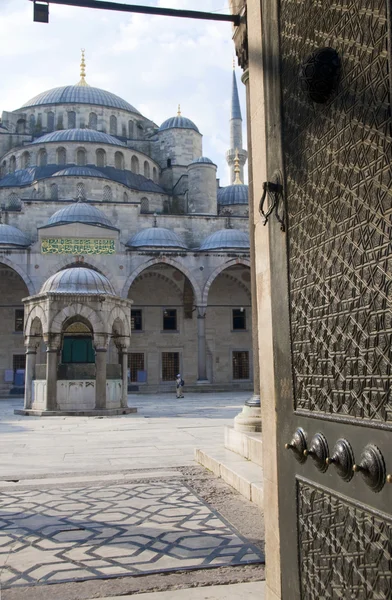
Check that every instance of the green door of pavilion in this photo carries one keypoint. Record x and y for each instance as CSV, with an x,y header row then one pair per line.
x,y
78,349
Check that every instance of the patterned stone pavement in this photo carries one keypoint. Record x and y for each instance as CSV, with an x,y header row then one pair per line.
x,y
71,534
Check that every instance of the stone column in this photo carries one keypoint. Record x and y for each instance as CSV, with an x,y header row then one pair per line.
x,y
100,378
52,346
201,345
250,417
124,363
31,359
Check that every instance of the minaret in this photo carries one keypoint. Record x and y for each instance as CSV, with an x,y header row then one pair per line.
x,y
236,135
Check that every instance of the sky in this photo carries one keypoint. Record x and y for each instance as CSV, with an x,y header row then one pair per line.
x,y
153,62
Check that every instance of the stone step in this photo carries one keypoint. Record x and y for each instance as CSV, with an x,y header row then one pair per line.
x,y
243,475
246,444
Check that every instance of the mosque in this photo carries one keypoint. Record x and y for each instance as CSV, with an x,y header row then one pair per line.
x,y
118,247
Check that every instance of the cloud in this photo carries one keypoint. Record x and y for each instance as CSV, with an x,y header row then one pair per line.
x,y
153,62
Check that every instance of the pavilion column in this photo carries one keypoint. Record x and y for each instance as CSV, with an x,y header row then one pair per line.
x,y
100,378
250,417
31,360
124,363
201,345
52,347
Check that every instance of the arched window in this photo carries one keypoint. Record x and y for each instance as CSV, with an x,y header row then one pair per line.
x,y
32,124
60,122
71,119
80,191
125,197
54,192
135,165
12,164
42,158
107,193
101,157
13,202
147,169
144,205
50,121
3,169
81,157
93,121
26,160
130,129
119,160
155,175
61,156
124,130
21,126
113,125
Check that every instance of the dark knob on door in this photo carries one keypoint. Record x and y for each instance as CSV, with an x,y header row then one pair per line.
x,y
372,467
318,451
298,444
342,459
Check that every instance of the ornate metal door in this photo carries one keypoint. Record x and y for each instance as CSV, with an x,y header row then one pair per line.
x,y
329,143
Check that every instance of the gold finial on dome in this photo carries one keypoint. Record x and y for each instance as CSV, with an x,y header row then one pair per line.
x,y
179,111
83,81
233,63
237,169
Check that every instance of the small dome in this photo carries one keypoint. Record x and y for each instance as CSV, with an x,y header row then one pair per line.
x,y
226,239
178,123
157,237
78,172
80,212
77,94
12,236
78,280
233,194
202,160
78,135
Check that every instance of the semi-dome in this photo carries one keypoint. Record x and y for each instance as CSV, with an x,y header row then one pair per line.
x,y
202,160
233,194
12,236
78,172
226,239
158,237
178,123
78,94
78,280
80,212
78,135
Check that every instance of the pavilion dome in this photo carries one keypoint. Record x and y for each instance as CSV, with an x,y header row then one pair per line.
x,y
12,236
158,237
80,212
78,280
79,94
78,135
226,239
233,194
178,122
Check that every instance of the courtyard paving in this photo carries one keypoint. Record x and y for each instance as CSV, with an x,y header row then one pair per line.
x,y
92,499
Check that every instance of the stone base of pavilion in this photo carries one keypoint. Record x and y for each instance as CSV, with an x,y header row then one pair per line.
x,y
109,412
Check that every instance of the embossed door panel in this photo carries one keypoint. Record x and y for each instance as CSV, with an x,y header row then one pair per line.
x,y
331,280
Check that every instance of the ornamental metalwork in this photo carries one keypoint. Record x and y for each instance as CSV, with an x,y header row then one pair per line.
x,y
339,200
358,543
77,246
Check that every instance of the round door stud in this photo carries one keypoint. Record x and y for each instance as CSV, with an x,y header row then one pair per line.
x,y
389,478
342,459
298,445
318,451
372,468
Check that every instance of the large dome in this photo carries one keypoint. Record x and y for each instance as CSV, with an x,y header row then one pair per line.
x,y
226,239
178,123
233,194
158,237
78,135
79,94
80,212
12,236
78,280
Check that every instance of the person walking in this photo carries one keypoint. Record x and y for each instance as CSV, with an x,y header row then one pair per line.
x,y
179,386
